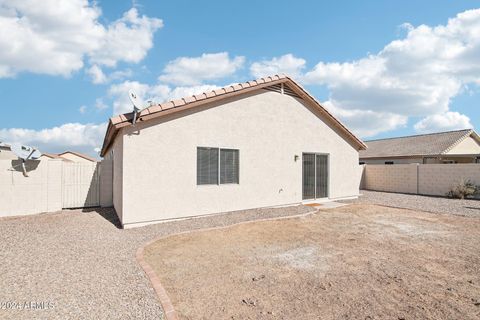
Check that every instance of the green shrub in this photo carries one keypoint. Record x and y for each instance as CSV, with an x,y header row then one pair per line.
x,y
464,189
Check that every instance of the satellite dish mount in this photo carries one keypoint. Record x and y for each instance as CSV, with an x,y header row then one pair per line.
x,y
25,153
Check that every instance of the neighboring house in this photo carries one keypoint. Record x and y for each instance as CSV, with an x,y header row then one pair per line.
x,y
53,156
261,143
70,156
76,157
460,146
6,153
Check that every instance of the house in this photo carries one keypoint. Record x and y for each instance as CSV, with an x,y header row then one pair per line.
x,y
69,156
6,153
76,157
53,156
262,143
460,146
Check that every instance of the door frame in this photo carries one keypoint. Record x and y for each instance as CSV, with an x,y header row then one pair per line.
x,y
328,173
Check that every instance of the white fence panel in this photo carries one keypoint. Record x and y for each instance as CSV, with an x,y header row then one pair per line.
x,y
80,185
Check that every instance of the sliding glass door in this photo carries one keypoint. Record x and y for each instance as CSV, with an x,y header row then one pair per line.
x,y
314,176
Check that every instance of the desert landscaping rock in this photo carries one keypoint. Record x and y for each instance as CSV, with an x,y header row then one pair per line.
x,y
83,267
468,207
77,264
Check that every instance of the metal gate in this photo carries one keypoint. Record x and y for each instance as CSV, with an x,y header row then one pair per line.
x,y
314,176
80,185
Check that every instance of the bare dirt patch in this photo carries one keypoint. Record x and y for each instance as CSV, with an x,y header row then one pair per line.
x,y
353,262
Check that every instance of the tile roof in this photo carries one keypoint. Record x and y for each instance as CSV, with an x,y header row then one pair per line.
x,y
54,156
169,107
419,145
81,155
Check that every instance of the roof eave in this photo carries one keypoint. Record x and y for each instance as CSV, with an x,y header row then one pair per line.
x,y
117,122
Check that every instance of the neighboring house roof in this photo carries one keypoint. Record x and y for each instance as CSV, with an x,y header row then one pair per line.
x,y
78,155
185,103
432,144
54,156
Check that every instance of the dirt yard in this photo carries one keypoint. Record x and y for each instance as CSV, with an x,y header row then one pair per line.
x,y
354,262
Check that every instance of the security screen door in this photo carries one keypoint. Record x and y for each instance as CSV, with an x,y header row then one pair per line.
x,y
315,176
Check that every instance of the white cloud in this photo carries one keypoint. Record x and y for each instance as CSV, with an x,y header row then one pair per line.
x,y
100,105
366,123
189,71
99,77
287,64
82,109
145,92
156,93
443,122
415,76
97,74
69,136
180,92
54,37
127,39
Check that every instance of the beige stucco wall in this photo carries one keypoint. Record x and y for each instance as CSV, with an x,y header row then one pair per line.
x,y
106,183
7,154
395,160
391,178
41,191
269,129
467,146
428,160
117,157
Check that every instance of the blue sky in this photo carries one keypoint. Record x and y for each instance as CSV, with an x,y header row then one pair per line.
x,y
385,68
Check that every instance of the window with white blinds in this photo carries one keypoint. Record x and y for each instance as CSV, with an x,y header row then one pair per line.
x,y
217,166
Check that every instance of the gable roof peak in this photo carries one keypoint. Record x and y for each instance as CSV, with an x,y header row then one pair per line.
x,y
171,106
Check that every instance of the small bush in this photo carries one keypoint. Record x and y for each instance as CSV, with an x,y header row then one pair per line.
x,y
464,189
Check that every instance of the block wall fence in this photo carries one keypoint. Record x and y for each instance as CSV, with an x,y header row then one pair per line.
x,y
425,179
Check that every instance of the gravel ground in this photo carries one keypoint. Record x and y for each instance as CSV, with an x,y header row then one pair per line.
x,y
353,262
81,266
424,203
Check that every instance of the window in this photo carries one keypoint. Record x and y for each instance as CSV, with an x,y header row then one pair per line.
x,y
449,161
388,162
207,166
217,166
228,166
477,160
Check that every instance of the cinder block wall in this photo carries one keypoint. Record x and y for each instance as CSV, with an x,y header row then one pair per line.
x,y
391,178
438,179
39,192
427,179
42,190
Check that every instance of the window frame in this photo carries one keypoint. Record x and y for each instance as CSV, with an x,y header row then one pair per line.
x,y
219,166
219,150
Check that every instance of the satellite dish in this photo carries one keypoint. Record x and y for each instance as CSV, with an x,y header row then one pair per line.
x,y
25,153
137,105
135,100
